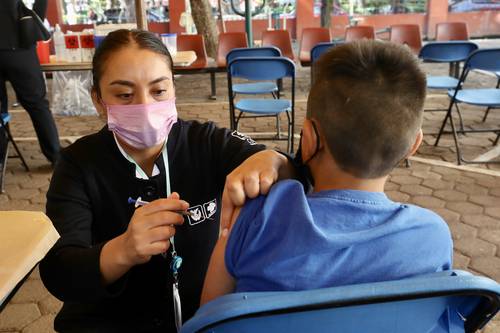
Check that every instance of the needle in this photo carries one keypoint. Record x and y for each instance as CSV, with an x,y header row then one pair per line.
x,y
139,202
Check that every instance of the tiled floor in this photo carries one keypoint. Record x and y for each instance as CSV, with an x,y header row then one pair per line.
x,y
468,198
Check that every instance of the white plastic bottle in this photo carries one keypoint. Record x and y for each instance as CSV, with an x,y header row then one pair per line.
x,y
59,44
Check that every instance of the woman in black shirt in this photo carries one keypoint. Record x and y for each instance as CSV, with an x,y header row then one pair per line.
x,y
113,265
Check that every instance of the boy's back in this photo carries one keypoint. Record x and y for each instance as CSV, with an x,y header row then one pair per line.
x,y
364,116
290,241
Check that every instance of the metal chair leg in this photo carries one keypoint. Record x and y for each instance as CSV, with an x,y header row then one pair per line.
x,y
407,163
445,120
455,138
290,133
278,129
460,118
486,113
496,140
11,139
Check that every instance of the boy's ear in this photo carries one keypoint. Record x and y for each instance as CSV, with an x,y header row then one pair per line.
x,y
416,144
308,145
96,100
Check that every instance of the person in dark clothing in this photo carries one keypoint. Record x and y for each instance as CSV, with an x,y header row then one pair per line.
x,y
4,100
114,265
21,67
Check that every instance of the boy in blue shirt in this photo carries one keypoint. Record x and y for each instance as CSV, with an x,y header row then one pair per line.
x,y
364,116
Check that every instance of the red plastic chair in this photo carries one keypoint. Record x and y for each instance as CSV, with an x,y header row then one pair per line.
x,y
227,42
311,37
281,39
194,43
359,32
408,34
451,31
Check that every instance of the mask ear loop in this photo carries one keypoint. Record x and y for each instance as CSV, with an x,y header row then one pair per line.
x,y
318,143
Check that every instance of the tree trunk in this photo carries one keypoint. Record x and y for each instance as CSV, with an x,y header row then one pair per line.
x,y
205,24
326,13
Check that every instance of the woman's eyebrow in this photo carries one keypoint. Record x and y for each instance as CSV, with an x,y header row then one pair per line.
x,y
123,83
163,78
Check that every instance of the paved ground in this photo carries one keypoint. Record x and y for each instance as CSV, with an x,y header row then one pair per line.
x,y
468,198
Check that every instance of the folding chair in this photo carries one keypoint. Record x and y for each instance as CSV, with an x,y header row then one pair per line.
x,y
261,69
4,142
257,87
407,34
451,302
446,52
487,60
451,31
316,52
310,38
359,32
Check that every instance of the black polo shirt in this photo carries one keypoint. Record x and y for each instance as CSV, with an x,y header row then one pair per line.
x,y
87,202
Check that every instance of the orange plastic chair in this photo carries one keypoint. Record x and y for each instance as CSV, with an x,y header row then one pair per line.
x,y
311,37
281,39
359,32
408,34
194,43
451,31
227,42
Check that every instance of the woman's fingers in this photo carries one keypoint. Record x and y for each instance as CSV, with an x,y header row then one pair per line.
x,y
160,233
162,218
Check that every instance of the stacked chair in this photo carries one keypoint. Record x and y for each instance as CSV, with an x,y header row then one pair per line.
x,y
280,39
359,32
407,34
451,31
310,38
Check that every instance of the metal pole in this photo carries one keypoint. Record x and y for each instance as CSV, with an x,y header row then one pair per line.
x,y
248,22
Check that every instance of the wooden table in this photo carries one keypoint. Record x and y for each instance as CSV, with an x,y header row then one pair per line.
x,y
181,59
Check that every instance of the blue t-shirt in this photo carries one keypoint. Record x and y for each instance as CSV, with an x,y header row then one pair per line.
x,y
291,241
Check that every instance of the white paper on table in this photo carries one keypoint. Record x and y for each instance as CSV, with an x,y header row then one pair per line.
x,y
25,238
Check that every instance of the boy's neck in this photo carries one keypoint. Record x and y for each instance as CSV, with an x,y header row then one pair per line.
x,y
328,176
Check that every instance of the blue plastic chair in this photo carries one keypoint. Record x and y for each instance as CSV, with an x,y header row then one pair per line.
x,y
257,87
317,51
452,302
261,69
487,60
452,52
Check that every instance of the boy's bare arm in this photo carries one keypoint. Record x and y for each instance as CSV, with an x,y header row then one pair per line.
x,y
218,281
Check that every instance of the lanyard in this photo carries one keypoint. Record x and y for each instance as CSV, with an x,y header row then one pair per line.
x,y
176,260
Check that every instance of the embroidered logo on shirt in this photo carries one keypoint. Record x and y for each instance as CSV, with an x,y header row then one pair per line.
x,y
210,208
202,212
243,137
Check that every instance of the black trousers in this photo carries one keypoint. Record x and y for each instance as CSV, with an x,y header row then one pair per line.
x,y
22,69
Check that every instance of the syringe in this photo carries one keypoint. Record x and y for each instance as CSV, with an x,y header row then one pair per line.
x,y
139,202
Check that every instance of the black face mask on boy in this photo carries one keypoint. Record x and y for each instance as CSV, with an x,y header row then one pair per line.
x,y
303,169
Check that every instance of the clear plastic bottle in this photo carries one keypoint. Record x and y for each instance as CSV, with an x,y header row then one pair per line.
x,y
59,44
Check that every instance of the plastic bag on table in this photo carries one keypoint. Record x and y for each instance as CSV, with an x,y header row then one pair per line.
x,y
71,94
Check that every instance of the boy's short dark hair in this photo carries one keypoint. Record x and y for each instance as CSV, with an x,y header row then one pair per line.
x,y
368,98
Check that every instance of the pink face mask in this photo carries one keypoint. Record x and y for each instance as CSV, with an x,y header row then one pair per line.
x,y
142,125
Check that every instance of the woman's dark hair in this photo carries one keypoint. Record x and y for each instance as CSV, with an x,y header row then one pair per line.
x,y
119,39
